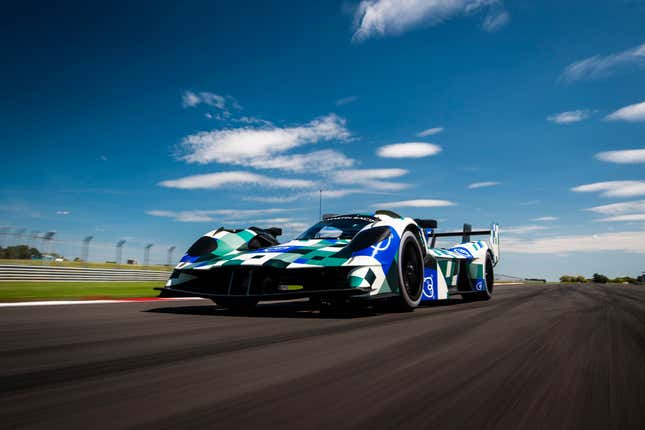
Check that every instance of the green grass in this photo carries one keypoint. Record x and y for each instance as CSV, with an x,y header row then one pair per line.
x,y
81,264
39,290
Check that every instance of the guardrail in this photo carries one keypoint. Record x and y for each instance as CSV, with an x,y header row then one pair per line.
x,y
49,273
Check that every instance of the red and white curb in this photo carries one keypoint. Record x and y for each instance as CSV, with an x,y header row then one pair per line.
x,y
95,302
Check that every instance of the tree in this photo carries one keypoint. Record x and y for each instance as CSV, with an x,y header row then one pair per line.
x,y
569,279
599,279
19,252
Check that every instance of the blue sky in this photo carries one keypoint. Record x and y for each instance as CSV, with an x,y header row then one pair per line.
x,y
158,122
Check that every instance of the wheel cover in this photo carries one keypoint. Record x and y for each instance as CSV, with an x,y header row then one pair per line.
x,y
489,275
411,270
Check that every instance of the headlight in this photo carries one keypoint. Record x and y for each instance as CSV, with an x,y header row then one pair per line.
x,y
369,237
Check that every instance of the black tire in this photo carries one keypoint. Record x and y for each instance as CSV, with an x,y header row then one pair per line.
x,y
489,276
237,303
410,272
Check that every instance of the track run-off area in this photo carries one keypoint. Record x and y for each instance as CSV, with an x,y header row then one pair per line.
x,y
535,356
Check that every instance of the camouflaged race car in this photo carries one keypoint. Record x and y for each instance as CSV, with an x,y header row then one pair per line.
x,y
342,257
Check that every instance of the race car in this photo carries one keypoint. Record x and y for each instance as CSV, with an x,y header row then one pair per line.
x,y
342,258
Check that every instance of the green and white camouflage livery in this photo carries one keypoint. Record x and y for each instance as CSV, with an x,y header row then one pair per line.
x,y
354,256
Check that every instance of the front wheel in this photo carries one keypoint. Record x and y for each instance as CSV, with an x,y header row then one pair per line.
x,y
410,272
237,303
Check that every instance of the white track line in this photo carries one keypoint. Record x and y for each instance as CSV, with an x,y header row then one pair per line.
x,y
92,302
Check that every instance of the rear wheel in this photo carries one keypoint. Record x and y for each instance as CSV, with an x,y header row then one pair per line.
x,y
410,272
237,303
489,278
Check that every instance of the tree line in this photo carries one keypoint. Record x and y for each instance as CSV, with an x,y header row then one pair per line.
x,y
598,278
19,252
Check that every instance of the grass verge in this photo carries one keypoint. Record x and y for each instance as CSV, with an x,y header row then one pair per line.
x,y
19,291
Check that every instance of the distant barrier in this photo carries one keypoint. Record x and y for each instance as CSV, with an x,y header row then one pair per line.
x,y
62,274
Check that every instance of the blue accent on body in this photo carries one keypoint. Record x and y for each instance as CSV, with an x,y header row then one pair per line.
x,y
429,285
383,251
277,248
188,259
480,285
462,251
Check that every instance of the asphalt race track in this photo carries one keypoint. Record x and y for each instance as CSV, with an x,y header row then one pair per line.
x,y
533,357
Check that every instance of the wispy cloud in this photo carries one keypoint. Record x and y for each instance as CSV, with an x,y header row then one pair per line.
x,y
374,18
613,188
495,21
544,219
63,212
430,131
260,146
631,113
476,185
624,218
419,203
235,178
569,116
626,156
346,100
522,229
326,194
371,178
620,208
627,241
192,99
216,214
316,161
408,150
598,67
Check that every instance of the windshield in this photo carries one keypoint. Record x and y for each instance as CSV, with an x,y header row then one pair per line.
x,y
335,228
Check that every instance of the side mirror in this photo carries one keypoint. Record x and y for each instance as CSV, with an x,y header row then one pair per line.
x,y
274,231
426,223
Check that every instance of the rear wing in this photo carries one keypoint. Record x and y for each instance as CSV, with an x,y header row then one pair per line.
x,y
466,234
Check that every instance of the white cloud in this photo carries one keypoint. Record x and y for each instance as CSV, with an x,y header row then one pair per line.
x,y
495,21
318,161
191,99
613,188
569,116
626,217
273,199
620,208
212,215
257,147
63,212
408,150
476,185
627,156
419,203
346,100
631,113
627,241
235,178
182,216
252,120
597,67
544,219
326,194
375,18
371,178
522,229
430,131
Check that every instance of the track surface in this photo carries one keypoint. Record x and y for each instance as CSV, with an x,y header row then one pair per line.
x,y
533,357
